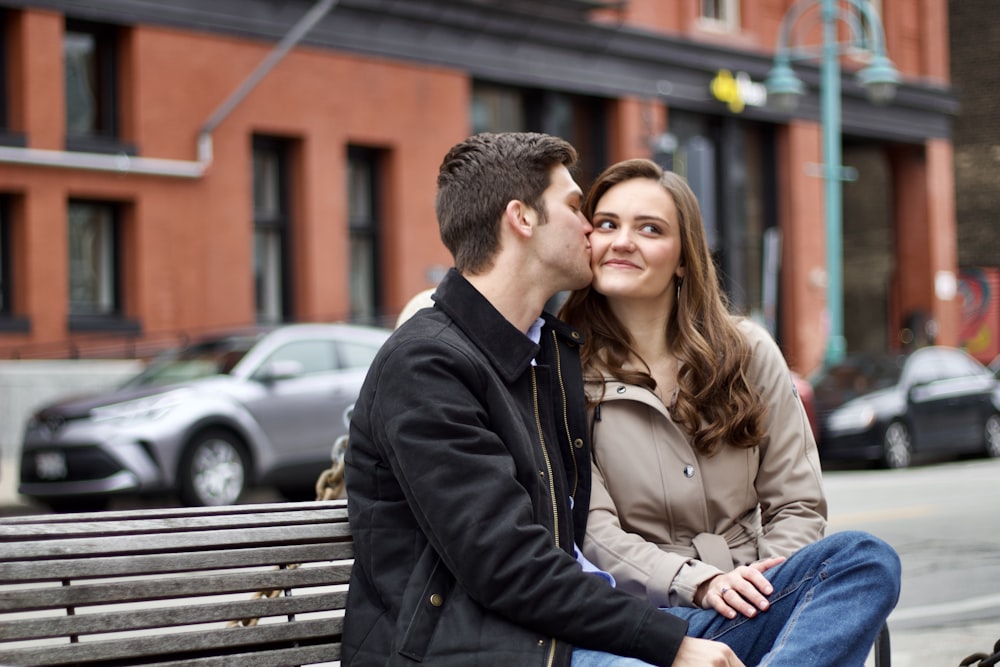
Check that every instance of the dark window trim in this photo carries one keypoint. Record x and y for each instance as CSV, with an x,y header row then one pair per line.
x,y
9,321
373,161
115,322
106,139
283,222
105,323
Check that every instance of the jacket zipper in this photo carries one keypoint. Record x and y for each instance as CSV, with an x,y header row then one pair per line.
x,y
569,436
552,485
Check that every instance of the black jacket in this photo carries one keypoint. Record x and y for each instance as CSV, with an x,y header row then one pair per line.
x,y
462,461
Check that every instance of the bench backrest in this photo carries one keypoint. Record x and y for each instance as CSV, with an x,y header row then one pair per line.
x,y
161,586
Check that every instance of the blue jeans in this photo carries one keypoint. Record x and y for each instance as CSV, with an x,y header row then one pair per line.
x,y
829,602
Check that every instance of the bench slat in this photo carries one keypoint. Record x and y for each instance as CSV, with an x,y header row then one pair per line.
x,y
145,619
53,530
112,566
304,655
225,641
32,599
164,542
327,506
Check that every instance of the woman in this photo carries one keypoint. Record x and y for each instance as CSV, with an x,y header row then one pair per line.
x,y
706,474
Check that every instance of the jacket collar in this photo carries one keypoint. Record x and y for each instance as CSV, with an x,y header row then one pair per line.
x,y
508,349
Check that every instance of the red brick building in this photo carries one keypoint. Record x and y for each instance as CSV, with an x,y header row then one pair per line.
x,y
172,168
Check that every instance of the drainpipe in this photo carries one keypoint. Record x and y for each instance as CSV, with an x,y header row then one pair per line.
x,y
150,166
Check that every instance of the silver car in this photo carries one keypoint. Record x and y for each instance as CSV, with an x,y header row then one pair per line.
x,y
205,421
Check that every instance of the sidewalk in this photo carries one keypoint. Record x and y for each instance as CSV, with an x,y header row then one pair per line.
x,y
943,646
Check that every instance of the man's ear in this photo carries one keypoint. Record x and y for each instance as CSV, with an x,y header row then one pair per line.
x,y
519,218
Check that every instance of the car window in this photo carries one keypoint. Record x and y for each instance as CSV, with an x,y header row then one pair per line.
x,y
856,376
356,355
923,366
315,356
195,361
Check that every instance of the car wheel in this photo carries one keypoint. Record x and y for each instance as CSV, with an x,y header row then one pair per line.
x,y
897,446
992,432
214,469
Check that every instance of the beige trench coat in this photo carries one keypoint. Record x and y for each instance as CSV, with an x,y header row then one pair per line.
x,y
663,518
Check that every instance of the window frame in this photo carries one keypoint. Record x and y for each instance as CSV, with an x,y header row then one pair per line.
x,y
728,19
277,226
114,319
9,320
105,136
365,233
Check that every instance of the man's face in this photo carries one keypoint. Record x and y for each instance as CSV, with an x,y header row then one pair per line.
x,y
562,237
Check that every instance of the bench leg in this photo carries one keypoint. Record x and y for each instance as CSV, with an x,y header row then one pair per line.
x,y
882,655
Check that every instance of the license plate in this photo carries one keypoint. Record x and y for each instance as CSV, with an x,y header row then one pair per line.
x,y
50,465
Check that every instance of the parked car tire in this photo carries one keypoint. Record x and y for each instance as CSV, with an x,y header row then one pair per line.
x,y
992,433
213,470
897,446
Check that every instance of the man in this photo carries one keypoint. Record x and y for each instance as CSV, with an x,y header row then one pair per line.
x,y
468,472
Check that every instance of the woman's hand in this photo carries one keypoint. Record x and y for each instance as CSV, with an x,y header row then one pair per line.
x,y
741,591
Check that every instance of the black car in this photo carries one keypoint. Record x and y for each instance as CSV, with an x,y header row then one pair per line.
x,y
936,401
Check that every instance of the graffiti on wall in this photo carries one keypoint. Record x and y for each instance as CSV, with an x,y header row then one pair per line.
x,y
979,296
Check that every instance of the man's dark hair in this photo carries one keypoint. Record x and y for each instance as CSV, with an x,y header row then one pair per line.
x,y
477,179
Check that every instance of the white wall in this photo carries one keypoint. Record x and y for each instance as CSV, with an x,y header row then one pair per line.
x,y
25,386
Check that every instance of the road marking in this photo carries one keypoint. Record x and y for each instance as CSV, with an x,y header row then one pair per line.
x,y
877,516
942,609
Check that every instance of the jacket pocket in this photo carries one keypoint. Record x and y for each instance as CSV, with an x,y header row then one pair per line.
x,y
427,609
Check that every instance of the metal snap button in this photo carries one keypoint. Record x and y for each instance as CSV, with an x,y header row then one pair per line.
x,y
437,600
689,471
620,390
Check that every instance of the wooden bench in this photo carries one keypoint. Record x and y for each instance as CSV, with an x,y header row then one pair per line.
x,y
168,587
161,586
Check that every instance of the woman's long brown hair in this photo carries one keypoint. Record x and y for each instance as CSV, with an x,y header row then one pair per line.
x,y
716,405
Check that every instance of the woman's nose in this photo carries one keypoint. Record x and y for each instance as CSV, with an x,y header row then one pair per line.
x,y
623,241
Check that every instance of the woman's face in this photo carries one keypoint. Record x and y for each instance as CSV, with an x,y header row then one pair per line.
x,y
636,242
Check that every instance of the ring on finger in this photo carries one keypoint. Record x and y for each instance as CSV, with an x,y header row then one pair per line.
x,y
722,593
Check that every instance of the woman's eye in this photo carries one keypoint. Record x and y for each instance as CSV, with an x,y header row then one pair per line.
x,y
604,224
650,229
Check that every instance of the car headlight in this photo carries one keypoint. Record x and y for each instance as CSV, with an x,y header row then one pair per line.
x,y
152,407
851,419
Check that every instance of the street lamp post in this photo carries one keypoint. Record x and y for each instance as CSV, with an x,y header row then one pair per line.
x,y
864,35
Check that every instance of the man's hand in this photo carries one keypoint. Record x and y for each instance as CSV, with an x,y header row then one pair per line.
x,y
742,590
705,653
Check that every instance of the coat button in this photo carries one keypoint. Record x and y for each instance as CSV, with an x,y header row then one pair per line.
x,y
437,600
541,642
620,390
689,471
575,335
578,443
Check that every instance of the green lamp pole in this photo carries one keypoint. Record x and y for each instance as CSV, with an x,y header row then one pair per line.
x,y
864,34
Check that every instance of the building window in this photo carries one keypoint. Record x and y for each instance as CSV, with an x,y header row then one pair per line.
x,y
4,92
363,219
363,224
721,14
94,267
579,119
91,71
5,255
271,218
10,321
